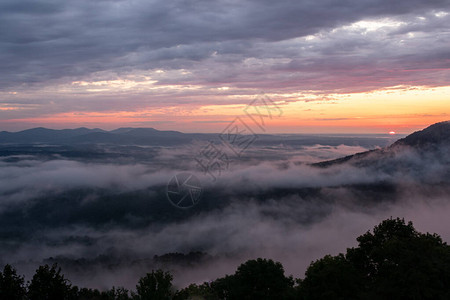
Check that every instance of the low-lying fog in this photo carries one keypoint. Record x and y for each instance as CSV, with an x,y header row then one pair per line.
x,y
104,220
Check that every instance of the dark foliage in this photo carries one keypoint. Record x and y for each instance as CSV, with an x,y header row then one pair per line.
x,y
49,284
392,262
11,285
156,285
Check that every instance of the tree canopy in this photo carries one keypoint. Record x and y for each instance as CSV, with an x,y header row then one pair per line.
x,y
394,261
156,285
11,284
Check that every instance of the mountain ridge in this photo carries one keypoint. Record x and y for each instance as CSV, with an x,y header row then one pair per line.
x,y
427,139
85,135
153,137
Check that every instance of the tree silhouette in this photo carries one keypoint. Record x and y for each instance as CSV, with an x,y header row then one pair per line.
x,y
397,262
256,279
393,262
118,293
112,294
11,285
332,277
197,292
49,284
156,285
89,294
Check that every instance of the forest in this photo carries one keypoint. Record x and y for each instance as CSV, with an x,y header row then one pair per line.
x,y
393,261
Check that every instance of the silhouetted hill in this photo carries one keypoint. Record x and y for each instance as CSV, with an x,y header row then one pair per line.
x,y
436,134
432,138
129,136
43,135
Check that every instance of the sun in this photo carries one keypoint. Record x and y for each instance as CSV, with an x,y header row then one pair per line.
x,y
392,132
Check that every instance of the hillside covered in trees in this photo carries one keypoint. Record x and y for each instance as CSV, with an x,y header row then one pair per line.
x,y
394,261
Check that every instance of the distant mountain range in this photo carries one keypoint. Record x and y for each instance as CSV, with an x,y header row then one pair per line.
x,y
154,137
144,136
429,139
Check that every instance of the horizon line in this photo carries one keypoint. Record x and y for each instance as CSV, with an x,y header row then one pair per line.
x,y
212,132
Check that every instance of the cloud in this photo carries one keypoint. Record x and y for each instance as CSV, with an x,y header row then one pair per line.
x,y
273,206
158,49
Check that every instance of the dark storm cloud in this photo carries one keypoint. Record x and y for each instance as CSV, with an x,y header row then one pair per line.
x,y
48,40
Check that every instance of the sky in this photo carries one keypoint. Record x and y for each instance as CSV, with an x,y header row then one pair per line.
x,y
356,66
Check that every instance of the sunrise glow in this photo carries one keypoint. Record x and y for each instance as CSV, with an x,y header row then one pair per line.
x,y
226,149
318,78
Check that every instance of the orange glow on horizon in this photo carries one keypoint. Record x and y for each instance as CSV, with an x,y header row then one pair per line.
x,y
405,109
